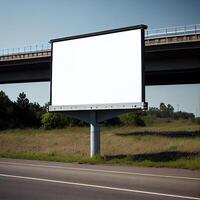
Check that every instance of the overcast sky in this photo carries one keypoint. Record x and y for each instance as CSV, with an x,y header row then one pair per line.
x,y
27,22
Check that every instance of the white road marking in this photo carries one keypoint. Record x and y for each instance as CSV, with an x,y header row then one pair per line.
x,y
103,171
99,186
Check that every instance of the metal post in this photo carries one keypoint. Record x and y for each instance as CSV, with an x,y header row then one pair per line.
x,y
94,135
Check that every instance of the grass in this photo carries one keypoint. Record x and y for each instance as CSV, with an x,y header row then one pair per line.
x,y
173,144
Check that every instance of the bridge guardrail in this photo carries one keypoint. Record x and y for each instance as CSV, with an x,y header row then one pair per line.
x,y
149,34
172,31
26,49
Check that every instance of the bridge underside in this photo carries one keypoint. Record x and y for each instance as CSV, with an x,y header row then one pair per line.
x,y
173,64
164,64
29,70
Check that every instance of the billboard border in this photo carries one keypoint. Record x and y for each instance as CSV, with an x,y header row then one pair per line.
x,y
51,73
142,63
109,106
128,28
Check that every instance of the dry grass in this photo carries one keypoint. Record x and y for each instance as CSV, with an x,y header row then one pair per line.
x,y
115,141
64,141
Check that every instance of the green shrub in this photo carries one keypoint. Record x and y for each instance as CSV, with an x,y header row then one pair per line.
x,y
54,120
115,121
133,118
197,120
139,121
127,119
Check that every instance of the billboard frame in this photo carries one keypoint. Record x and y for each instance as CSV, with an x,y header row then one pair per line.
x,y
110,106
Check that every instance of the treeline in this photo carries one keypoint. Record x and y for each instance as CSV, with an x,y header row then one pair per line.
x,y
167,111
23,114
20,113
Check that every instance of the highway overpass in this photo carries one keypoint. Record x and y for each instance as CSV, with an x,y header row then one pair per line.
x,y
172,56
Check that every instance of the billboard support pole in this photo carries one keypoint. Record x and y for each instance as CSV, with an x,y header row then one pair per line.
x,y
94,135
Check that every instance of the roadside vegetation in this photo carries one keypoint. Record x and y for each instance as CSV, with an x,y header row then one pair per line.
x,y
159,137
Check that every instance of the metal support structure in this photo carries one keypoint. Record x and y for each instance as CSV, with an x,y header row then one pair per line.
x,y
94,135
93,117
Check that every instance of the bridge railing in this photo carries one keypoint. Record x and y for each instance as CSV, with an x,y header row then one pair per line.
x,y
26,49
149,34
172,31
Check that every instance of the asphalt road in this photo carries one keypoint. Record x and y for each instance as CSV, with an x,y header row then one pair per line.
x,y
23,179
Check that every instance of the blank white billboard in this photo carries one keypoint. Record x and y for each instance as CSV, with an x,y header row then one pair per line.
x,y
104,69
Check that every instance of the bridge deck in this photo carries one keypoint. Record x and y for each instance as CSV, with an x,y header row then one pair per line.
x,y
148,42
168,60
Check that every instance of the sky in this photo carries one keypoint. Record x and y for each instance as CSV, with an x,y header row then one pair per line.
x,y
27,22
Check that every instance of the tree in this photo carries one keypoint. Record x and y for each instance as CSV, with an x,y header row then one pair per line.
x,y
27,114
22,101
163,107
170,110
5,105
36,112
6,111
166,111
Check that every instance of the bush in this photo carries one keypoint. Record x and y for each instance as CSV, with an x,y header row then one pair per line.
x,y
197,120
54,120
127,119
133,118
183,115
75,122
139,121
112,122
149,119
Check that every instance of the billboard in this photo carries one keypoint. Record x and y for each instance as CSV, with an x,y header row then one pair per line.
x,y
102,70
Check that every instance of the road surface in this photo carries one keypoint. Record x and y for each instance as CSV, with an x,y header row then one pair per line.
x,y
23,179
